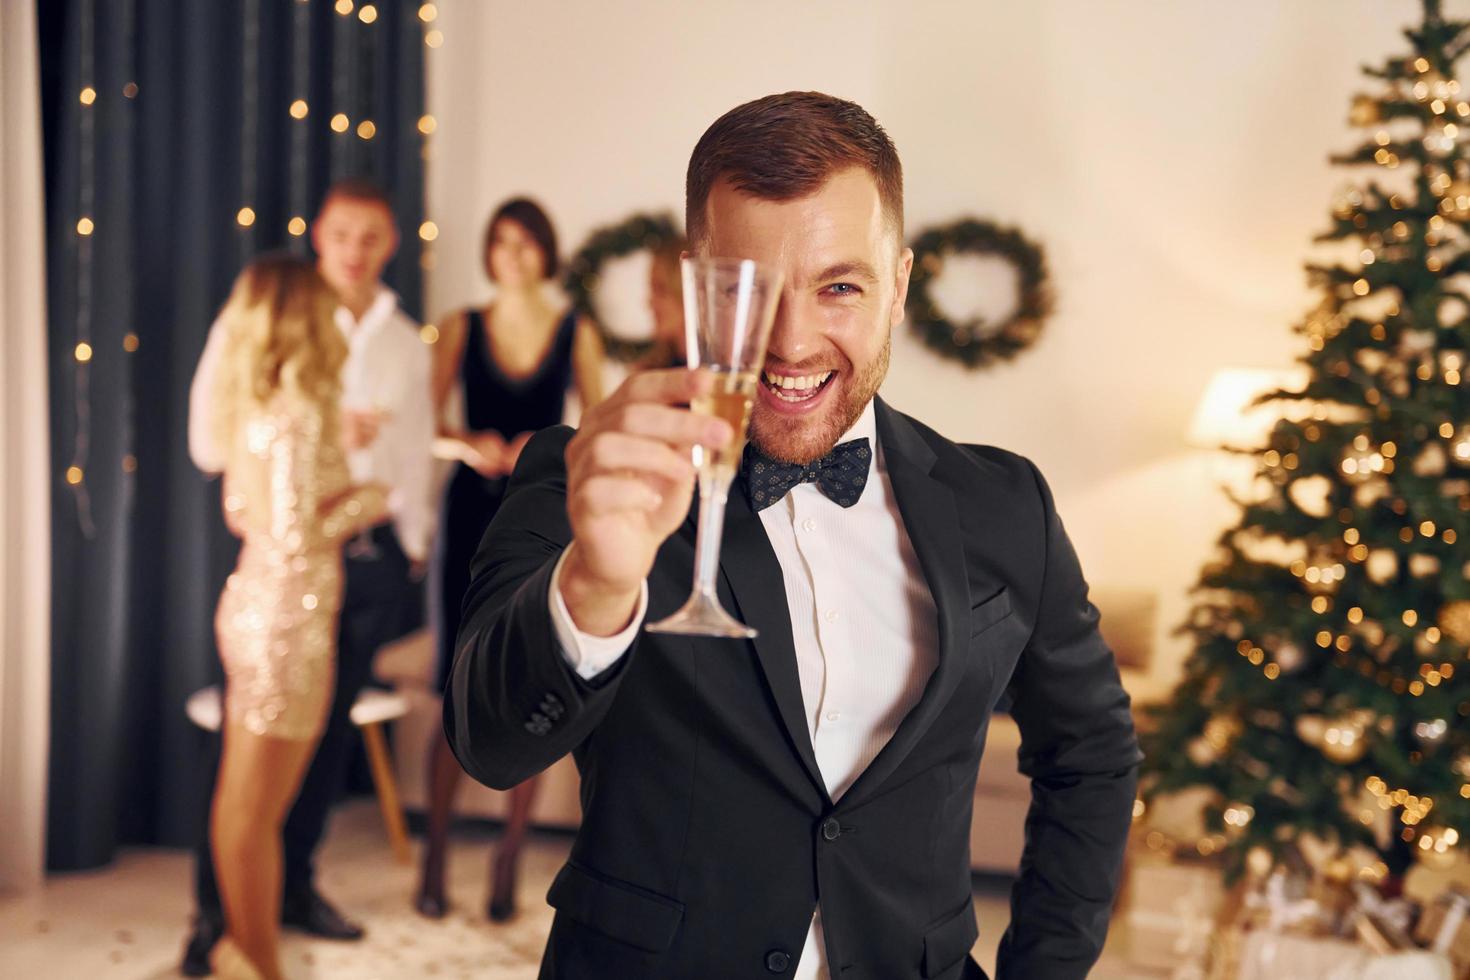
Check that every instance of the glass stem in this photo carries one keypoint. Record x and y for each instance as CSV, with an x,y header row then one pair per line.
x,y
713,492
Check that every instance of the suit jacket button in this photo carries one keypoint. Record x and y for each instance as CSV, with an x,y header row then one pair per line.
x,y
537,727
777,961
831,829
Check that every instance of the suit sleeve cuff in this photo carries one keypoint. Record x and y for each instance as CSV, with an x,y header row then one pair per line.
x,y
586,654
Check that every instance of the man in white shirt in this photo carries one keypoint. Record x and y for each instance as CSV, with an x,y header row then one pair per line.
x,y
798,804
387,427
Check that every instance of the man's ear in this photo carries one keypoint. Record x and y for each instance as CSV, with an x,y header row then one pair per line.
x,y
901,286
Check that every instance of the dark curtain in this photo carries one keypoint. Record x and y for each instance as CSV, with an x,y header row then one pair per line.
x,y
191,122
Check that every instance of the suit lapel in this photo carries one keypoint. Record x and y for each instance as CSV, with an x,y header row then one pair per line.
x,y
750,568
931,516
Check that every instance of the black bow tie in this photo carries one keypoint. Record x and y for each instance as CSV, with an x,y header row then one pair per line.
x,y
841,474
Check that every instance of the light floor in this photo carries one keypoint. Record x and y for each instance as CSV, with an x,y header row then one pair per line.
x,y
129,920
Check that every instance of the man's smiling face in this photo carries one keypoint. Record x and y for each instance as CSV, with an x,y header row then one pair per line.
x,y
845,278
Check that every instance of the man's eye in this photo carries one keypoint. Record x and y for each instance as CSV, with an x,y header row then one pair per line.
x,y
843,289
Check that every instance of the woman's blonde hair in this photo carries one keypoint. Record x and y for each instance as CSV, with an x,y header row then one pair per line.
x,y
281,335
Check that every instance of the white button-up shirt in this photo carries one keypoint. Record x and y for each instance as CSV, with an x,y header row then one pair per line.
x,y
863,623
387,370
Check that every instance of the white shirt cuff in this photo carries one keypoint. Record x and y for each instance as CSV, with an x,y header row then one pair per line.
x,y
590,655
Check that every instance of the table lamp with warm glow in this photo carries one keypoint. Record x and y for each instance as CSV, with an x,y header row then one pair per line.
x,y
1225,416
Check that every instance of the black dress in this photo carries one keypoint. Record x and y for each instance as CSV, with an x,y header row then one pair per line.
x,y
509,406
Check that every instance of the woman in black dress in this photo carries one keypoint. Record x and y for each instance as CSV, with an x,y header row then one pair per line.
x,y
514,361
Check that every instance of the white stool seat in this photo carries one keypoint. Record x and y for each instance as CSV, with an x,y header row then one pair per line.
x,y
373,706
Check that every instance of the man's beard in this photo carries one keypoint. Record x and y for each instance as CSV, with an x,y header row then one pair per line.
x,y
801,440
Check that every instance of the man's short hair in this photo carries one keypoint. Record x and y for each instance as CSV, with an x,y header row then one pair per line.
x,y
786,146
358,189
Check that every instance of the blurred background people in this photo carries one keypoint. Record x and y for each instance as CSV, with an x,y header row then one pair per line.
x,y
288,495
386,430
513,362
666,303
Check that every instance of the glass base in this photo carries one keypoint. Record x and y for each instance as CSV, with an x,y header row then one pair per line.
x,y
702,615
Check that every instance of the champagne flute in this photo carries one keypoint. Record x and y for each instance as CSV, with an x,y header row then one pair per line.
x,y
729,306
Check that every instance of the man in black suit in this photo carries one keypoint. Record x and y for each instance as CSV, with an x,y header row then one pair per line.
x,y
799,804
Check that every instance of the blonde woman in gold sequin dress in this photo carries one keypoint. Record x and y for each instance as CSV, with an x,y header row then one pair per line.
x,y
289,498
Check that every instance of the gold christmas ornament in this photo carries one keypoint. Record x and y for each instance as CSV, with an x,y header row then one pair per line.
x,y
1456,200
1454,620
1382,565
1365,111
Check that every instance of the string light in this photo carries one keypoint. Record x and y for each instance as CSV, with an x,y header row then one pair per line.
x,y
130,342
86,199
300,69
85,226
245,217
434,38
299,109
344,7
366,130
427,125
368,13
83,352
88,95
340,123
297,225
428,12
428,231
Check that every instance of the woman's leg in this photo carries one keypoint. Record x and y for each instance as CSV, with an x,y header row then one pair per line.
x,y
507,855
259,776
444,773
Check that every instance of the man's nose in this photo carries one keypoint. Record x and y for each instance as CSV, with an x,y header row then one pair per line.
x,y
794,334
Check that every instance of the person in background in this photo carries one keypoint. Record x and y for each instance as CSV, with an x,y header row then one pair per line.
x,y
387,430
666,303
514,361
289,498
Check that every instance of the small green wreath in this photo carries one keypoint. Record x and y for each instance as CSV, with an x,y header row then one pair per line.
x,y
976,342
627,237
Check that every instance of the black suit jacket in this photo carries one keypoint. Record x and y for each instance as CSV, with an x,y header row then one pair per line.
x,y
707,835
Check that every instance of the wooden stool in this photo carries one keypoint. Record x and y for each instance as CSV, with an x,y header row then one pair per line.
x,y
372,709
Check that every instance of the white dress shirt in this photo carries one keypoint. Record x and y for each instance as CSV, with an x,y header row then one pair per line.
x,y
863,623
387,369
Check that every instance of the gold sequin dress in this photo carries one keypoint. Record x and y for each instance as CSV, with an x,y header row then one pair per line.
x,y
288,496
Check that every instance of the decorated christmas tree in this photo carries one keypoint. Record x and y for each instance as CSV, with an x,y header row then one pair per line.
x,y
1327,695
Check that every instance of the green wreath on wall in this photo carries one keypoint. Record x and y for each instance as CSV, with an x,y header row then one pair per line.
x,y
633,234
976,342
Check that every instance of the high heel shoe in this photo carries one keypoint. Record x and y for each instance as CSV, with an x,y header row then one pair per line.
x,y
230,962
502,904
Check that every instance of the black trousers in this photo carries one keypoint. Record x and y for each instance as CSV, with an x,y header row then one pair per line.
x,y
380,603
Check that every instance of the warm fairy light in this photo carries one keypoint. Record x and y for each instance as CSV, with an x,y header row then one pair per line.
x,y
1272,672
1360,287
130,463
299,109
434,38
1449,535
88,95
1324,639
1437,107
428,12
73,475
1421,65
340,123
427,124
245,217
1355,615
1350,536
130,342
344,7
1410,617
85,226
296,226
130,90
1427,529
429,333
1319,604
368,13
428,231
1446,429
366,130
83,352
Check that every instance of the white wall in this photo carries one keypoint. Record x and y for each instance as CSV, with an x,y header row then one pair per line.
x,y
1171,157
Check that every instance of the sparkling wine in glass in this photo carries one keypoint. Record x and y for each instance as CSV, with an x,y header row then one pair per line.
x,y
729,306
